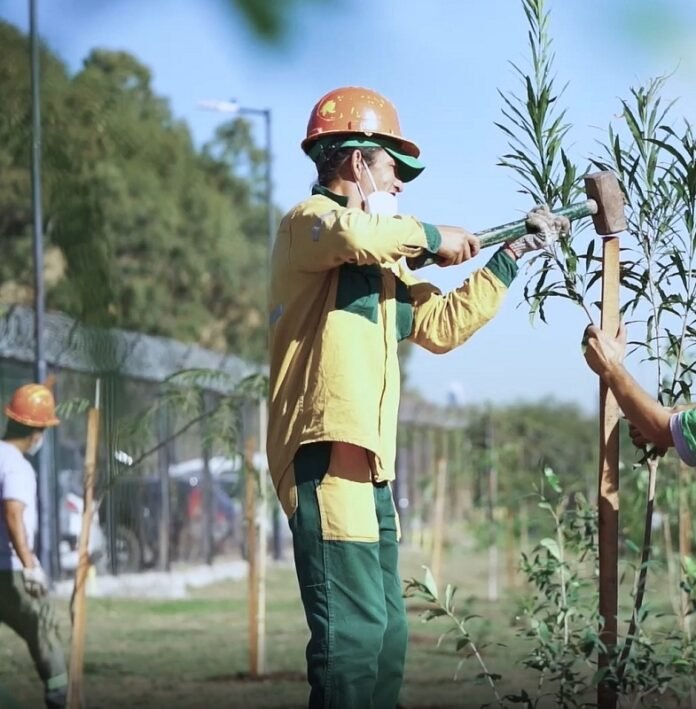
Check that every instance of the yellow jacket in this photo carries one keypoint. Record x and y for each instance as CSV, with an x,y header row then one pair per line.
x,y
340,302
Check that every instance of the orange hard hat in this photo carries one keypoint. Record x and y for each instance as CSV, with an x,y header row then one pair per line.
x,y
33,405
356,110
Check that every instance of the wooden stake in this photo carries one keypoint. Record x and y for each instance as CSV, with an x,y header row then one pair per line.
x,y
413,503
79,598
511,551
439,512
608,488
492,506
420,469
672,567
430,471
524,526
252,556
262,546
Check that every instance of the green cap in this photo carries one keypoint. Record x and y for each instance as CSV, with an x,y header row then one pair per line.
x,y
409,167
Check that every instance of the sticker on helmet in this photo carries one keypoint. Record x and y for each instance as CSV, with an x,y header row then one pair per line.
x,y
327,109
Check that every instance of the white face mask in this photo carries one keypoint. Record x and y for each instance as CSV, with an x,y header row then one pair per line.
x,y
378,201
36,446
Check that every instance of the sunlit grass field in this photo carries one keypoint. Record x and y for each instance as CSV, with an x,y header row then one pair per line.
x,y
193,652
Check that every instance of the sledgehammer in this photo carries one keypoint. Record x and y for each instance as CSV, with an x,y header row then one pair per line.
x,y
604,203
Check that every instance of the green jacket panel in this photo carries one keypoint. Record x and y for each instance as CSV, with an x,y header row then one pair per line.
x,y
340,301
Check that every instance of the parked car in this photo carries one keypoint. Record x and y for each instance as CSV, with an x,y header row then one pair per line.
x,y
136,508
133,506
70,510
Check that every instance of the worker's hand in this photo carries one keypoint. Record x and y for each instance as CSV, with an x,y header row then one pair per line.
x,y
543,228
35,581
637,438
603,352
458,245
640,441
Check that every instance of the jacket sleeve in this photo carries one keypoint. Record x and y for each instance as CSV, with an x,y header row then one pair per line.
x,y
443,322
683,428
322,241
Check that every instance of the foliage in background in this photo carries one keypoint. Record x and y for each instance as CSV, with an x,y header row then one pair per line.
x,y
268,20
143,231
652,152
559,622
560,616
188,394
536,128
461,630
654,157
655,162
656,165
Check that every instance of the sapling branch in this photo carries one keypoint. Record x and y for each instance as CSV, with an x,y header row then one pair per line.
x,y
652,463
427,591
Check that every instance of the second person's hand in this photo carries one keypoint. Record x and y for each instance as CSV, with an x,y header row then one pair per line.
x,y
603,352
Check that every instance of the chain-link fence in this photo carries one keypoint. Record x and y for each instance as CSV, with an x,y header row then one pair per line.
x,y
170,483
167,491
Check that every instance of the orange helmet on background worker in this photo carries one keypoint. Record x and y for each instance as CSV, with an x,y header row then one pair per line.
x,y
33,405
356,117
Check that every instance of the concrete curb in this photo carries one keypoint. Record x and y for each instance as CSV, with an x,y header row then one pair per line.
x,y
156,584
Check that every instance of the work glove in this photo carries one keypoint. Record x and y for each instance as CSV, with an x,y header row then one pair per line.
x,y
35,581
544,227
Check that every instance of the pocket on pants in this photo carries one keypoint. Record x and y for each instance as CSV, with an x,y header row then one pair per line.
x,y
387,513
347,510
397,517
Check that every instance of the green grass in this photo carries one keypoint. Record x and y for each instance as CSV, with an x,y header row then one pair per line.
x,y
193,653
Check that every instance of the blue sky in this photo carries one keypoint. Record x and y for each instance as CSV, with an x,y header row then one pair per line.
x,y
441,62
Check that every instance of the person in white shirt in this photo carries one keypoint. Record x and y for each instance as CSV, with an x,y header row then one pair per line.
x,y
24,605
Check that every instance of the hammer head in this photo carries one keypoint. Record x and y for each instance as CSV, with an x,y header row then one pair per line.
x,y
604,189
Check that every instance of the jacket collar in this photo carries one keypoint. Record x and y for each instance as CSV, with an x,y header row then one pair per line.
x,y
338,198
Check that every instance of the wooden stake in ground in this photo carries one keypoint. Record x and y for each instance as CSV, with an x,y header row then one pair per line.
x,y
439,508
262,537
79,598
491,512
608,495
609,220
256,578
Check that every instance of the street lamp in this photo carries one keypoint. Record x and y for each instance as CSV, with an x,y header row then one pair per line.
x,y
232,107
46,508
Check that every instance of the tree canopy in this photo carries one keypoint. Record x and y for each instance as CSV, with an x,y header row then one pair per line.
x,y
143,230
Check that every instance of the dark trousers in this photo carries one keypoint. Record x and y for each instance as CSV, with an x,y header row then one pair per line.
x,y
33,620
346,557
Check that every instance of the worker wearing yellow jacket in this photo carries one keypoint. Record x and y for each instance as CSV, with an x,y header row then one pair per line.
x,y
341,300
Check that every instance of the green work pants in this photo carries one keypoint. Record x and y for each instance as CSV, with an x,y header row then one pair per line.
x,y
351,591
33,619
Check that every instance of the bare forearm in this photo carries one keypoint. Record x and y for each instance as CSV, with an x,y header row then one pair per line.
x,y
646,414
18,538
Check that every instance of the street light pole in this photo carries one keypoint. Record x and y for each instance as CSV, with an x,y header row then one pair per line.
x,y
232,107
269,185
45,508
275,514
